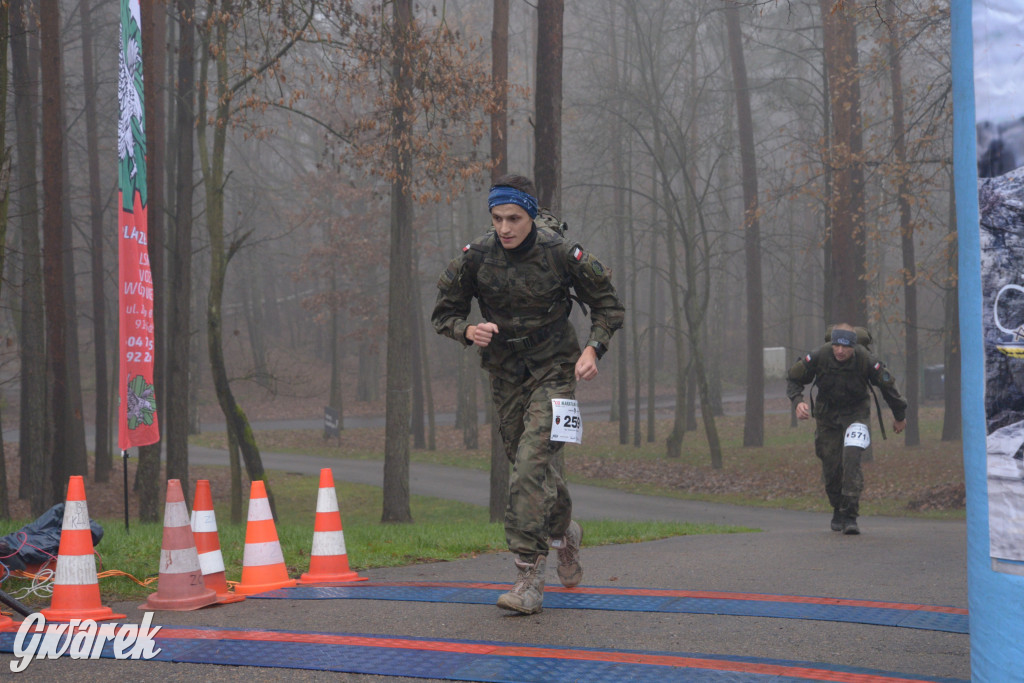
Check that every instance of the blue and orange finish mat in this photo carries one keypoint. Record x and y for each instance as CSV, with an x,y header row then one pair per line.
x,y
478,660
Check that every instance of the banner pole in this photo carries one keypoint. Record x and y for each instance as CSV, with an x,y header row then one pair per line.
x,y
124,463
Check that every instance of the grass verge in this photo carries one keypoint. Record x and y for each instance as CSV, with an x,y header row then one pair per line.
x,y
443,530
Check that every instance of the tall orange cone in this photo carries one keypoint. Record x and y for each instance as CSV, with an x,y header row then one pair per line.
x,y
204,529
263,567
76,590
180,586
328,561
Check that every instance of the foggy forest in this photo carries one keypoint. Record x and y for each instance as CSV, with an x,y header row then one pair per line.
x,y
751,172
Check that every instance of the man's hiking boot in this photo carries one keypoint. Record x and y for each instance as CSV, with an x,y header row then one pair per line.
x,y
527,595
850,507
837,520
570,571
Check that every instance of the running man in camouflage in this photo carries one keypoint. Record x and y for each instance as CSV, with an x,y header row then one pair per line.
x,y
843,372
521,276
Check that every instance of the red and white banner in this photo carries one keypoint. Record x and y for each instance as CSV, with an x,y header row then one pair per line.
x,y
137,417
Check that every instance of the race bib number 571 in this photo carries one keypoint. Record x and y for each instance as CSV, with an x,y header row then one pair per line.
x,y
566,423
857,434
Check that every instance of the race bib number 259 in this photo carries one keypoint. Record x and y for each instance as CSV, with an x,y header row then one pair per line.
x,y
566,423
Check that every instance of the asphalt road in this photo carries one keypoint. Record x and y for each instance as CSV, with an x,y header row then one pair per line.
x,y
898,560
794,553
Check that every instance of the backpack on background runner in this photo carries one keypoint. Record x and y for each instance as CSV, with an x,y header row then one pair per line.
x,y
864,337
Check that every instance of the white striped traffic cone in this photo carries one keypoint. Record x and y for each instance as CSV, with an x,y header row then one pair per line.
x,y
328,561
76,590
180,586
263,567
211,560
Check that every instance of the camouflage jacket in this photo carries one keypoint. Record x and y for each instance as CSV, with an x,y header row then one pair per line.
x,y
527,296
843,388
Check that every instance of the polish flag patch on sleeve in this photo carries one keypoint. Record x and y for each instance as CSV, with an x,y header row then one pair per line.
x,y
465,248
877,365
807,358
577,253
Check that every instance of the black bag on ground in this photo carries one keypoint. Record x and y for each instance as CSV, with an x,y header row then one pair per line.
x,y
30,544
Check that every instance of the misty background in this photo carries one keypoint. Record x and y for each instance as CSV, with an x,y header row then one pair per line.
x,y
751,172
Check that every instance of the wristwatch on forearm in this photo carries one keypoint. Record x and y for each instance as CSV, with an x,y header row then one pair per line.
x,y
599,348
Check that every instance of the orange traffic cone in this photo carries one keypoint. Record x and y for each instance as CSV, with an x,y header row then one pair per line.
x,y
328,562
204,529
180,587
76,590
263,567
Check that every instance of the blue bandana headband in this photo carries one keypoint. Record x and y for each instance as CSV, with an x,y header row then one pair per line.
x,y
844,337
503,194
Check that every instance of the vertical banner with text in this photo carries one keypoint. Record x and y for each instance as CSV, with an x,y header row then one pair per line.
x,y
137,418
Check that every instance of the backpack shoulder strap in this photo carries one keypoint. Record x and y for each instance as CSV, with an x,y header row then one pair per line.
x,y
477,250
864,366
557,251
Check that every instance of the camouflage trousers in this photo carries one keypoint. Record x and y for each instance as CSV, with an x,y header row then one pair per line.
x,y
840,465
539,505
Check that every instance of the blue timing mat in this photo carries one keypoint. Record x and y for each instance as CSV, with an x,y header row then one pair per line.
x,y
927,617
469,660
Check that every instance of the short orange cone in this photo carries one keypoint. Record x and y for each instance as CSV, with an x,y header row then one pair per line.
x,y
180,586
263,567
76,590
204,529
328,561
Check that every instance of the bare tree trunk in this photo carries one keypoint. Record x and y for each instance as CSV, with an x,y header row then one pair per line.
x,y
418,422
396,437
213,177
34,475
235,466
674,441
367,388
424,361
147,475
547,166
76,455
179,277
253,307
5,193
952,429
753,424
622,220
101,441
652,302
196,345
53,249
499,78
336,401
903,190
846,202
498,498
